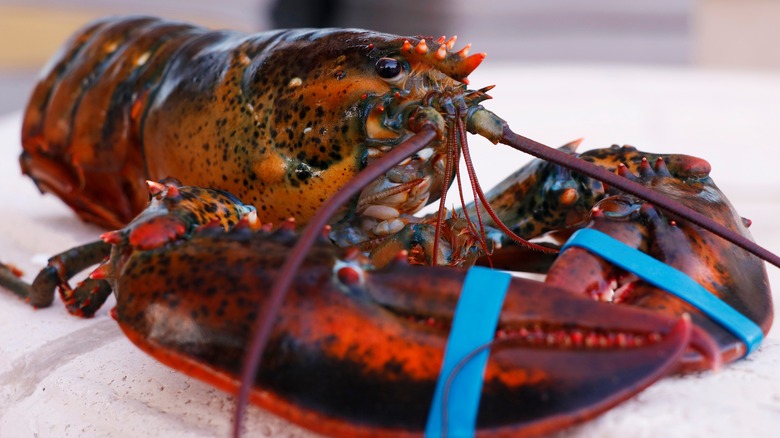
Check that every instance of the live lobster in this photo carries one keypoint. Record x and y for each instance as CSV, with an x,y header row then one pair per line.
x,y
299,114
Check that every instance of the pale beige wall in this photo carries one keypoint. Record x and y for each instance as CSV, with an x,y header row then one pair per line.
x,y
741,34
31,31
708,33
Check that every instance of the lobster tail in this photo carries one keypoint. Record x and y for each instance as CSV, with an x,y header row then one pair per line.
x,y
102,77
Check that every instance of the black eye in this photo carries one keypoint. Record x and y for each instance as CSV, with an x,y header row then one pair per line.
x,y
388,68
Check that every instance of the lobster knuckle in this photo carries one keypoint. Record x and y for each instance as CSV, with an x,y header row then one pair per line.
x,y
423,117
486,124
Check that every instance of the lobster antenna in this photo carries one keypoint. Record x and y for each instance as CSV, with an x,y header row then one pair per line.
x,y
452,162
261,329
531,147
479,198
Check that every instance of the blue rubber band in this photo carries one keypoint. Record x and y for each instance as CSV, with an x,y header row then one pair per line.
x,y
670,279
473,326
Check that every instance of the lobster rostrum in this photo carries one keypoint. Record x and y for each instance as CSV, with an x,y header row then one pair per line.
x,y
359,130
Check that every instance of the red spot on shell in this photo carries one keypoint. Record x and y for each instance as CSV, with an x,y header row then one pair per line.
x,y
348,275
101,272
156,232
173,192
112,237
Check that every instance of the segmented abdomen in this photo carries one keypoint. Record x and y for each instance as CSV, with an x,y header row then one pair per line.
x,y
81,129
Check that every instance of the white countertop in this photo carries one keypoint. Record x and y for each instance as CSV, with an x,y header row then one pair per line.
x,y
65,376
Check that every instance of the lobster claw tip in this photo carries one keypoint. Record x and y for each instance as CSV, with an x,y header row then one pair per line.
x,y
703,343
589,371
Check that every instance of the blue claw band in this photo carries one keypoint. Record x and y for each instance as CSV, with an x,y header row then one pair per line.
x,y
670,279
473,326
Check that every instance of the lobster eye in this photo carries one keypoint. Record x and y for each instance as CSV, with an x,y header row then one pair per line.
x,y
388,68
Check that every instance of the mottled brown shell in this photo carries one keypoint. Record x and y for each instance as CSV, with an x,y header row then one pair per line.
x,y
276,118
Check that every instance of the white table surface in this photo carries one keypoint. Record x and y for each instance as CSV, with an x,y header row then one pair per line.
x,y
64,376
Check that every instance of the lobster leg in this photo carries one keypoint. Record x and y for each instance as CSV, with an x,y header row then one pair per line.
x,y
86,298
82,301
10,279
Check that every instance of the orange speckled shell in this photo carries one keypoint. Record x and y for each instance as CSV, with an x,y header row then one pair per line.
x,y
281,130
275,118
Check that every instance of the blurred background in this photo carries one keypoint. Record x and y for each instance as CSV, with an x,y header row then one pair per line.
x,y
712,34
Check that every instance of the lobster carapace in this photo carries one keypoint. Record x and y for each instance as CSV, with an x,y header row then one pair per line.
x,y
298,114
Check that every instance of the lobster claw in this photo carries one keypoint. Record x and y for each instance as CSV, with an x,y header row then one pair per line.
x,y
565,387
558,359
734,276
361,354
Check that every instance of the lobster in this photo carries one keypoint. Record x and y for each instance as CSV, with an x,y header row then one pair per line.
x,y
301,114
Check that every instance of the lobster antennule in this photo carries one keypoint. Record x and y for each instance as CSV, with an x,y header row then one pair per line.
x,y
458,134
495,129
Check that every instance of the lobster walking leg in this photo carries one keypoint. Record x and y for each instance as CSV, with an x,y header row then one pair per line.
x,y
60,269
